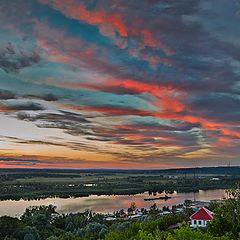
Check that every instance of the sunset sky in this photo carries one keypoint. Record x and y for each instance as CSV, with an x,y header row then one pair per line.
x,y
119,84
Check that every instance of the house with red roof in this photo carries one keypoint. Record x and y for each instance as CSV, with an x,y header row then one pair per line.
x,y
201,217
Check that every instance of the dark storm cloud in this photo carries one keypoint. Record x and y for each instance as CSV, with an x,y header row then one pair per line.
x,y
47,97
222,107
4,95
72,123
13,59
39,142
176,126
63,117
160,139
20,106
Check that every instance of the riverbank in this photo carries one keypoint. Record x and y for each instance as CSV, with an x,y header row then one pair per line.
x,y
35,184
107,203
46,222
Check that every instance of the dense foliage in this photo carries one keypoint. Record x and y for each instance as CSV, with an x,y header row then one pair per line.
x,y
29,184
40,223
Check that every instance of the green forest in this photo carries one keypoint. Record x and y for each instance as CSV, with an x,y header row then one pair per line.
x,y
36,183
44,223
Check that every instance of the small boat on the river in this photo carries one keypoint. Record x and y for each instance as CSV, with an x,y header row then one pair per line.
x,y
158,198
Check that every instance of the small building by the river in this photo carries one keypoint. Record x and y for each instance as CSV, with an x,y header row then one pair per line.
x,y
201,217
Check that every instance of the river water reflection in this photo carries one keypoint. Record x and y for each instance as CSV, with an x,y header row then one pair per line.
x,y
105,204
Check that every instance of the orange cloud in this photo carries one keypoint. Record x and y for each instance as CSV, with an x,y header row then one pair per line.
x,y
167,97
113,110
164,92
5,109
76,10
104,19
230,132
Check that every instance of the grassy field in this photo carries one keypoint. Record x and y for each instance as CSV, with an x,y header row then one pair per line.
x,y
17,183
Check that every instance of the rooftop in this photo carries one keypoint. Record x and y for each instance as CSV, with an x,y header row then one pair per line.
x,y
202,214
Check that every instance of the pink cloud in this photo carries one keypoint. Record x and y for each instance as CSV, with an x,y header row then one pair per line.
x,y
112,24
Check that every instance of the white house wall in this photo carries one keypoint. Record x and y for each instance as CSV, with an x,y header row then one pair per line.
x,y
198,223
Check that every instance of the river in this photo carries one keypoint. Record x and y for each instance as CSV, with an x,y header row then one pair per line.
x,y
104,203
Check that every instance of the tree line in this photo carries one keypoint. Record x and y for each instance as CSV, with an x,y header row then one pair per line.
x,y
44,223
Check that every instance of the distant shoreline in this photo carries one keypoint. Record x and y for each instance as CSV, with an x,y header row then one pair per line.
x,y
34,184
181,169
109,204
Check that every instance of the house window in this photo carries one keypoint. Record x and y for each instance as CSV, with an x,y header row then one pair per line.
x,y
195,222
200,222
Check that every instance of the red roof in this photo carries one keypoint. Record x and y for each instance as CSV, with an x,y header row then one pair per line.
x,y
202,214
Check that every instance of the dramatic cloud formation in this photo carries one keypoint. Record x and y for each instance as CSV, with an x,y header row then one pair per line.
x,y
119,84
13,60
